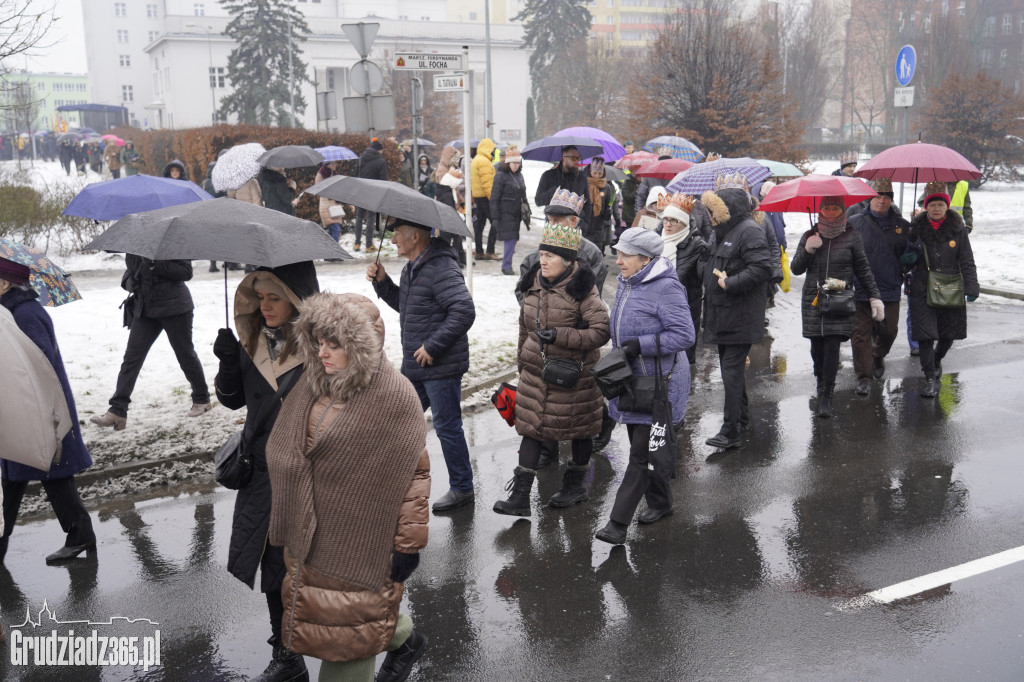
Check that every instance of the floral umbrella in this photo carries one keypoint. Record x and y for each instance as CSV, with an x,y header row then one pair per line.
x,y
238,165
46,277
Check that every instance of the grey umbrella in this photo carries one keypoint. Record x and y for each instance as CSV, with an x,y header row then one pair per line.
x,y
392,199
291,156
220,229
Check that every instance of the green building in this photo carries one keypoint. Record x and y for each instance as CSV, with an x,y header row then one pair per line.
x,y
30,100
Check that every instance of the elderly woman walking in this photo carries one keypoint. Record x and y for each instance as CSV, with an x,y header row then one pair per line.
x,y
351,479
257,371
562,317
831,253
650,320
686,249
941,238
508,196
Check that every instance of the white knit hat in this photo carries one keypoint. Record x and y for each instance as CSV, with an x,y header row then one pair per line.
x,y
675,213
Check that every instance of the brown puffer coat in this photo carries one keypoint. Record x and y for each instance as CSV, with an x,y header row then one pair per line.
x,y
573,308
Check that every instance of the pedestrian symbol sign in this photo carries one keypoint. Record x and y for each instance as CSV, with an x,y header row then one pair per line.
x,y
906,62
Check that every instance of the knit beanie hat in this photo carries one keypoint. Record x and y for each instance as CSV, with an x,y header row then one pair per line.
x,y
638,241
561,240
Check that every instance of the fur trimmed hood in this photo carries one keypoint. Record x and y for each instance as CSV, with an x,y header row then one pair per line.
x,y
951,224
727,206
351,321
581,281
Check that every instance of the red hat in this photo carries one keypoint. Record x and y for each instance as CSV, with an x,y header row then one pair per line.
x,y
935,190
15,273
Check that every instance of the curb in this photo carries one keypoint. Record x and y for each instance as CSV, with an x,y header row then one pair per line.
x,y
1005,293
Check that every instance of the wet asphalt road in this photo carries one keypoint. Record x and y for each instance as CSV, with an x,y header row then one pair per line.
x,y
747,580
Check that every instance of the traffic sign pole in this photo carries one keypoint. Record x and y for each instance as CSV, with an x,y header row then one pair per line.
x,y
470,248
906,64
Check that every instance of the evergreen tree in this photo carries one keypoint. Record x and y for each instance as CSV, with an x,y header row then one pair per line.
x,y
550,28
258,67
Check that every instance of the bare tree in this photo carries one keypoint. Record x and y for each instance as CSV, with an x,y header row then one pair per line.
x,y
23,28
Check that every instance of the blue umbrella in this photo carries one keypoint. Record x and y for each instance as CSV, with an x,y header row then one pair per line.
x,y
473,142
700,178
674,146
335,153
114,199
550,148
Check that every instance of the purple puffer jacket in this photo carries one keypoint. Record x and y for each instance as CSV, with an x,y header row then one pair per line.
x,y
650,303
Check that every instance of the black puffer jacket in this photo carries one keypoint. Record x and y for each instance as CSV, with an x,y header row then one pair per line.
x,y
885,240
160,284
243,385
689,254
842,258
435,311
277,193
735,315
949,252
508,193
373,165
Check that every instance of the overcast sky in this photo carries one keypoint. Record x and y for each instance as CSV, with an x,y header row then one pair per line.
x,y
67,52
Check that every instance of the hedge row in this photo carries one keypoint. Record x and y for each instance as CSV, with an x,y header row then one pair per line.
x,y
197,148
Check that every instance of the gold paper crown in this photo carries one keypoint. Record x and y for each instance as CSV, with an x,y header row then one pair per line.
x,y
564,197
731,181
847,157
679,200
712,156
934,187
881,185
561,237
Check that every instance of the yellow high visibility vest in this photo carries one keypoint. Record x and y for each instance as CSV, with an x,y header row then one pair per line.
x,y
958,197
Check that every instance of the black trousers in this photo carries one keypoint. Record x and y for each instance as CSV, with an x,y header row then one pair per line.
x,y
66,502
932,351
643,478
825,355
481,213
732,359
530,451
143,334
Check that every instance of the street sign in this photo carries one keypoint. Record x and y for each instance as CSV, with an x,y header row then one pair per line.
x,y
904,97
361,36
427,62
906,62
448,82
359,118
326,106
365,77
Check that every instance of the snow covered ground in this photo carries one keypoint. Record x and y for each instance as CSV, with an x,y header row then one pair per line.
x,y
93,341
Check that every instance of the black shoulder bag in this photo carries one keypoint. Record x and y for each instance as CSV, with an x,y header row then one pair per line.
x,y
233,463
563,372
131,307
640,395
835,303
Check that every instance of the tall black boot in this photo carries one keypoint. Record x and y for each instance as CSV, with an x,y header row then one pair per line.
x,y
285,665
573,490
825,399
518,502
931,385
605,437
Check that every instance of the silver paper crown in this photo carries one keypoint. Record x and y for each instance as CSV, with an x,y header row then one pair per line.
x,y
570,200
731,181
847,157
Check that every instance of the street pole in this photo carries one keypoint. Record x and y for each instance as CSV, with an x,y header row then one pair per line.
x,y
213,79
489,103
415,83
906,112
465,169
291,77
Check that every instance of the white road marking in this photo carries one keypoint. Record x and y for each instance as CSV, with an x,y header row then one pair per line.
x,y
909,588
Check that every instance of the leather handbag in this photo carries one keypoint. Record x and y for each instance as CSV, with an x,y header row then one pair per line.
x,y
232,463
613,374
640,395
563,372
837,303
944,291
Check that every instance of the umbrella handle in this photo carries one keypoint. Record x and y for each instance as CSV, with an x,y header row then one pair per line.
x,y
381,238
227,325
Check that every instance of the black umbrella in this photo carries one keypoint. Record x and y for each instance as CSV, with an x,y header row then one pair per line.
x,y
392,199
220,229
291,156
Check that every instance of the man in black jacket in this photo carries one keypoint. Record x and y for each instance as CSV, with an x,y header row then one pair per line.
x,y
735,293
162,303
566,175
374,166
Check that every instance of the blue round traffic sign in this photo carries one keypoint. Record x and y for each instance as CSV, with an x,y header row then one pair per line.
x,y
906,62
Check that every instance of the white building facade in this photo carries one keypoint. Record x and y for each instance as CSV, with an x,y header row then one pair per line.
x,y
175,74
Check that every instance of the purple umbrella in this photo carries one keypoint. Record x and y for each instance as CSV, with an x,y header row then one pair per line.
x,y
613,151
700,178
550,148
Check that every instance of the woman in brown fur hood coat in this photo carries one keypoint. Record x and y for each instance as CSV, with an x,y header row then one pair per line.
x,y
356,428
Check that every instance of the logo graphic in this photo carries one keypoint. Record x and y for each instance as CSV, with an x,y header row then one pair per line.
x,y
62,646
400,62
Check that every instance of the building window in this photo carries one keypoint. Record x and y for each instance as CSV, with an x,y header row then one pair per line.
x,y
217,77
153,35
40,86
122,36
1007,24
120,9
989,27
945,8
330,79
1004,57
963,8
126,60
928,22
199,9
472,16
126,94
151,11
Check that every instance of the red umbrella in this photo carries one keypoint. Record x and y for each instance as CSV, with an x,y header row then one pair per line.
x,y
806,193
636,160
919,162
665,169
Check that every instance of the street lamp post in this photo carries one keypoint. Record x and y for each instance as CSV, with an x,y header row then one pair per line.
x,y
213,76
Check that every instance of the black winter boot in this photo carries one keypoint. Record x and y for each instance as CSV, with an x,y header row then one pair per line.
x,y
820,384
285,666
605,437
573,490
398,663
931,385
825,399
518,502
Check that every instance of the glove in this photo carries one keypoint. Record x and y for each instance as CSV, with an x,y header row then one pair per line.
x,y
226,346
971,298
402,565
909,258
812,244
631,349
546,335
877,310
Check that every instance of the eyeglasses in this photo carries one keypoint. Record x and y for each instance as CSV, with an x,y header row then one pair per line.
x,y
570,158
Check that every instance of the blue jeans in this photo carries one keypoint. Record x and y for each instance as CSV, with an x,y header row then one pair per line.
x,y
507,252
334,229
444,398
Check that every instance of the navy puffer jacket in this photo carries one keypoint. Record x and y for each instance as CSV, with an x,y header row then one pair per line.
x,y
885,240
435,311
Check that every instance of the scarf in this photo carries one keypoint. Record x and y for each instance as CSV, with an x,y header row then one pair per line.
x,y
672,241
596,186
831,229
936,224
275,340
